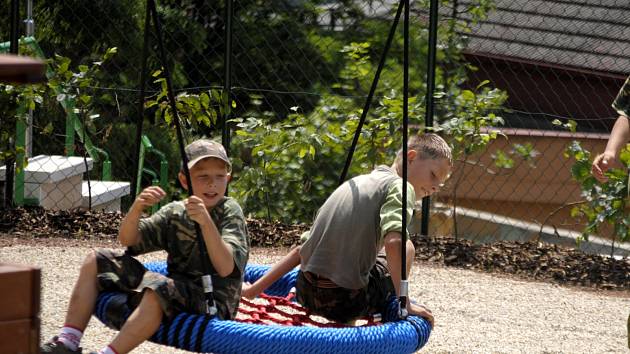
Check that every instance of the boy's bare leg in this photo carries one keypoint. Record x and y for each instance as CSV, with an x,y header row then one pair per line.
x,y
411,255
84,294
140,325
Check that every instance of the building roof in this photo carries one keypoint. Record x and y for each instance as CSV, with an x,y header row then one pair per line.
x,y
583,34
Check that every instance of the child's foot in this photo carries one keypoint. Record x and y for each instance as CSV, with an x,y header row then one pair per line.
x,y
54,346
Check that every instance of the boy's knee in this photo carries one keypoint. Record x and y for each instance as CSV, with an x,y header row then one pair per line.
x,y
89,263
411,249
150,299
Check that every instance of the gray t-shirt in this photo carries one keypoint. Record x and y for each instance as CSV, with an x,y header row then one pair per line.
x,y
347,232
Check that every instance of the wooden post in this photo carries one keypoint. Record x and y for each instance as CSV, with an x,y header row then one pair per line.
x,y
19,308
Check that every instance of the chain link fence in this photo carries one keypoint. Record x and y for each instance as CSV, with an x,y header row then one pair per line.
x,y
558,60
553,60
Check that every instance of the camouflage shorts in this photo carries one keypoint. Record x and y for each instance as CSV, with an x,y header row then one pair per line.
x,y
343,305
118,271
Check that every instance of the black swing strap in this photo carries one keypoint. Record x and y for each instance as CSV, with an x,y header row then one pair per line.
x,y
368,101
206,278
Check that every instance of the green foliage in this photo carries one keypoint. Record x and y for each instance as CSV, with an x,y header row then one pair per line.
x,y
66,87
469,117
280,178
286,160
16,101
72,89
201,111
275,178
603,202
570,125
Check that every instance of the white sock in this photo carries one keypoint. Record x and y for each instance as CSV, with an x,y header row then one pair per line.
x,y
70,337
107,350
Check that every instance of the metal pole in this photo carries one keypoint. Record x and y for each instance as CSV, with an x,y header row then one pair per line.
x,y
433,20
30,32
15,27
10,161
227,90
404,283
137,173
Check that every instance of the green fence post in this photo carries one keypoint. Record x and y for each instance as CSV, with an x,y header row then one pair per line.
x,y
146,143
154,181
164,174
156,206
69,141
107,170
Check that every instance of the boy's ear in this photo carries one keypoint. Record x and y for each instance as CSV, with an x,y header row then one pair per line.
x,y
229,177
411,155
182,180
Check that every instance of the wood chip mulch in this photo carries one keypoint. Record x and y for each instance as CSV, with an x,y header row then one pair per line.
x,y
528,260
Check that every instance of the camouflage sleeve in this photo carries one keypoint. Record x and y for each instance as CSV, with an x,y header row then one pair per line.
x,y
153,231
622,102
233,230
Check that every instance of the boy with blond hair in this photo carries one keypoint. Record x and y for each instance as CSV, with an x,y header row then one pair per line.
x,y
343,275
153,296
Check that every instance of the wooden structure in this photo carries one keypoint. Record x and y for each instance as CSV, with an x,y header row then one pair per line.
x,y
554,59
19,309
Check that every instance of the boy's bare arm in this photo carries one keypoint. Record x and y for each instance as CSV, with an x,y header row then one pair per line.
x,y
282,267
129,233
393,241
219,252
619,137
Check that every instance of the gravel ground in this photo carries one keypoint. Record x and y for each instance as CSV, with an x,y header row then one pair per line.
x,y
475,312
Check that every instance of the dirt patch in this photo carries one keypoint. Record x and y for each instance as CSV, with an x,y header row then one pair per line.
x,y
527,260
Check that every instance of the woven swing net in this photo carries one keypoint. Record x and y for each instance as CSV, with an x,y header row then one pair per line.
x,y
267,309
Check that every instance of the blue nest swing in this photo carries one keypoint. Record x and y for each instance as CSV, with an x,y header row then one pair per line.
x,y
202,333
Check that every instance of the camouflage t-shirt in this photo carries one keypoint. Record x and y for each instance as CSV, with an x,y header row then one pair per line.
x,y
171,229
622,102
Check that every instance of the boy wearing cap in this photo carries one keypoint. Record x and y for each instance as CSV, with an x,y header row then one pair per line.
x,y
153,296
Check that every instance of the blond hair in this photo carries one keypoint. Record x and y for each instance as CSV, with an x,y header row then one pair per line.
x,y
428,146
